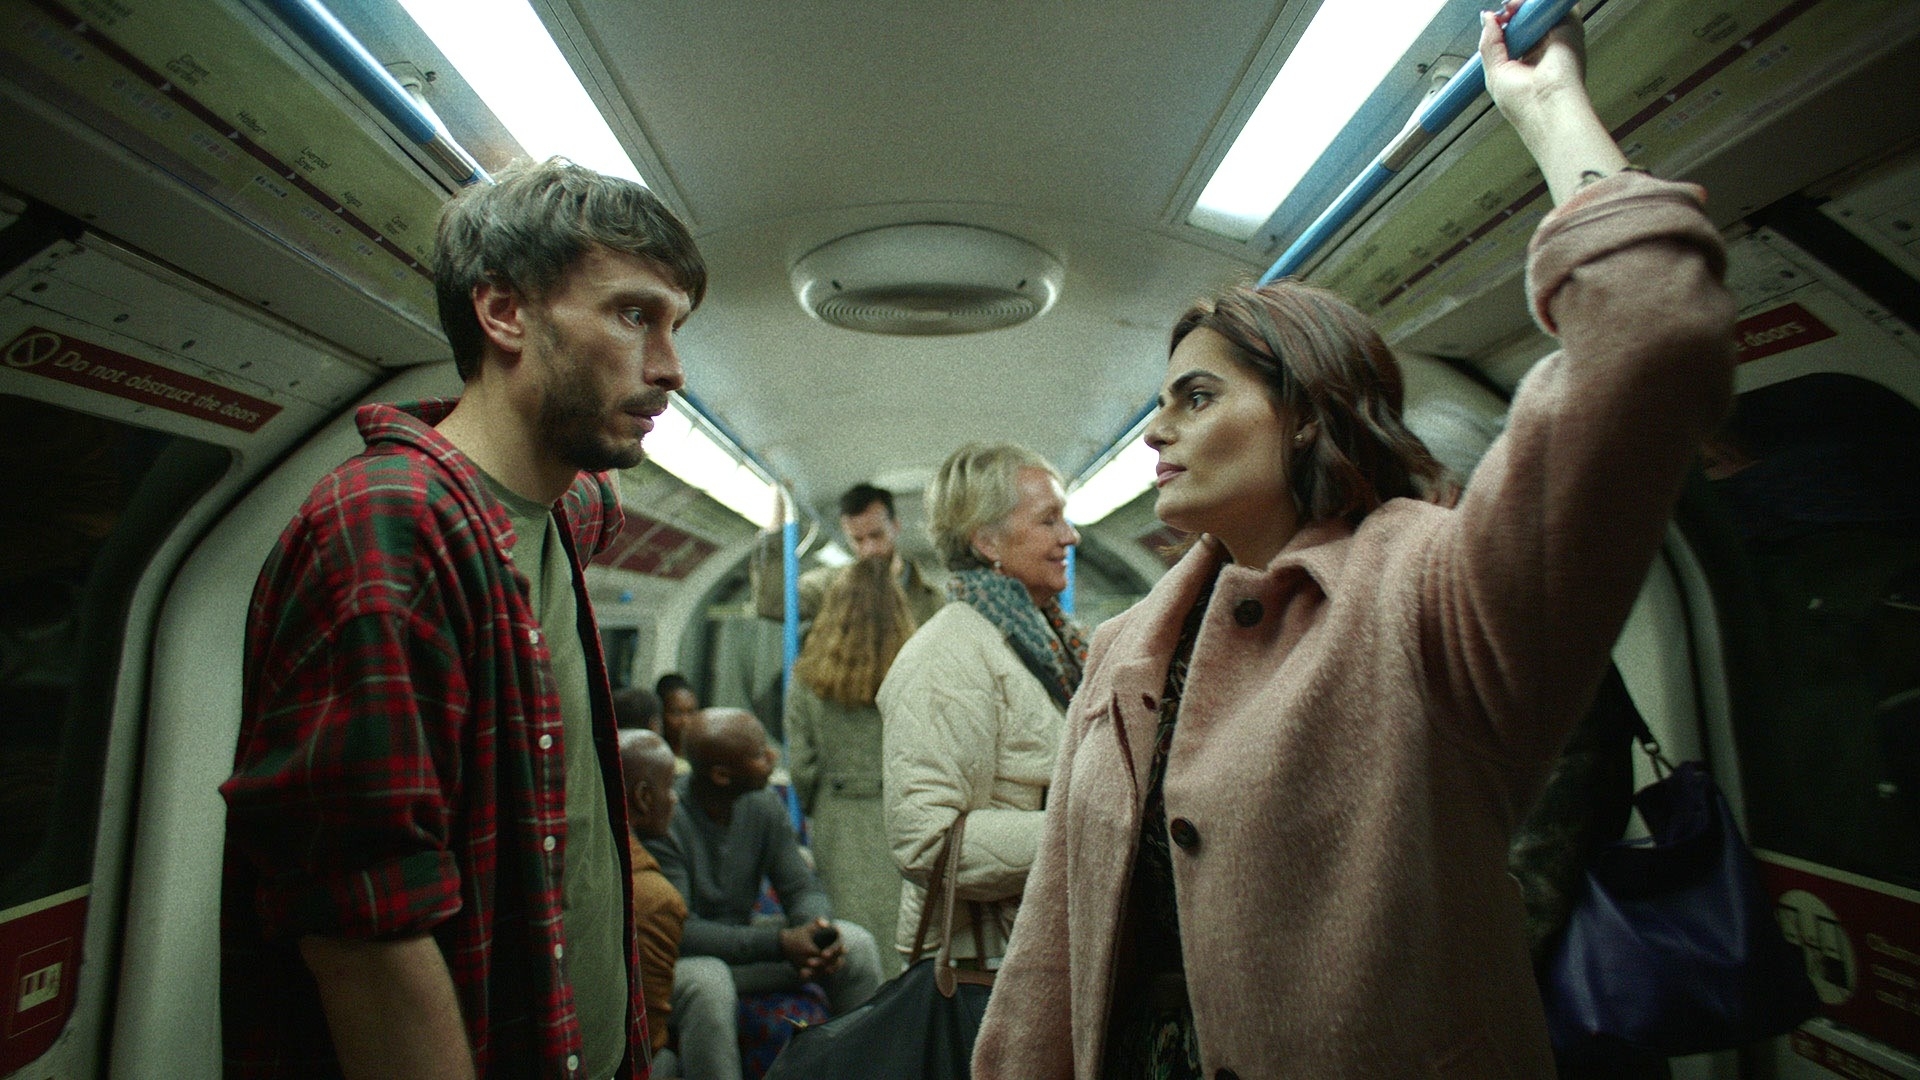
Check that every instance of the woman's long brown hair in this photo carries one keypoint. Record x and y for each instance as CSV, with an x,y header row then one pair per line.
x,y
863,621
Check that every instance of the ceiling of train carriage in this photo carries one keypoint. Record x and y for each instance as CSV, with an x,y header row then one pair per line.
x,y
1079,135
1085,130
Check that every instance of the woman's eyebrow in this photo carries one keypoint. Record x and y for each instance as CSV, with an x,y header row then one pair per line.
x,y
1180,384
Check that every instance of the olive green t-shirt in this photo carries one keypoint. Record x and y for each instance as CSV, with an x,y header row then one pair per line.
x,y
592,924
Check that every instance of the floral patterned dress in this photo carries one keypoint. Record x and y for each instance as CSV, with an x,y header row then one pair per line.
x,y
1150,1030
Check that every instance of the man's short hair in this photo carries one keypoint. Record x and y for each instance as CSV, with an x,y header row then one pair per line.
x,y
643,756
526,229
860,497
636,707
668,683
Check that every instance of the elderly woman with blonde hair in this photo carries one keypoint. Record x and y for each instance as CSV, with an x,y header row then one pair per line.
x,y
975,703
833,731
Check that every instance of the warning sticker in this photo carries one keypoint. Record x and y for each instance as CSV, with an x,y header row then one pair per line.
x,y
82,363
39,957
1777,330
1861,939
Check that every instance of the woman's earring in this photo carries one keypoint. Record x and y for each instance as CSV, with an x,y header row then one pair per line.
x,y
996,566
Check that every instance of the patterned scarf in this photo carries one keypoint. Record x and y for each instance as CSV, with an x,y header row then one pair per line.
x,y
1051,645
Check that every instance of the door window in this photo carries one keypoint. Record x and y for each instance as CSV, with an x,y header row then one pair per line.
x,y
1816,477
84,503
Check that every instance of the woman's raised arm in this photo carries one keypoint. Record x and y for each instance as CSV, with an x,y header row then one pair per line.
x,y
1544,96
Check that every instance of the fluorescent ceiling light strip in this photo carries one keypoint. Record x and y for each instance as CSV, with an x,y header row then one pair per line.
x,y
679,444
1347,50
1116,483
505,53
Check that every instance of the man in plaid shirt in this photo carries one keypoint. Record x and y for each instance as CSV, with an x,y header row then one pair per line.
x,y
426,873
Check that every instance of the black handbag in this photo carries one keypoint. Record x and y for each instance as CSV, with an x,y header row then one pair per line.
x,y
1673,946
921,1024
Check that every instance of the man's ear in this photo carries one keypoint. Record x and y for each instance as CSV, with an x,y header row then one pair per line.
x,y
502,313
720,776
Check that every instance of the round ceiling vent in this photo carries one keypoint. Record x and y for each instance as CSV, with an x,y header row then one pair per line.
x,y
926,279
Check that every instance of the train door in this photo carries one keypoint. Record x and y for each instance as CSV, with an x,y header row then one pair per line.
x,y
1809,540
210,249
134,401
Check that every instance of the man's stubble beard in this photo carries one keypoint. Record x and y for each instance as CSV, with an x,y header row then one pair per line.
x,y
572,417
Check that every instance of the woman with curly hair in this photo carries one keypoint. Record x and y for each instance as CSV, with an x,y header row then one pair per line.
x,y
833,735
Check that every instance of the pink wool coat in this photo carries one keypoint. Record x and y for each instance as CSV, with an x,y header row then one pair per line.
x,y
1367,717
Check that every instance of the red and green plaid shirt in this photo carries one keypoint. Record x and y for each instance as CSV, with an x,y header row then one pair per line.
x,y
401,767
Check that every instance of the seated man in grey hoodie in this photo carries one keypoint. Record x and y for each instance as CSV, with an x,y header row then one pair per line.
x,y
729,834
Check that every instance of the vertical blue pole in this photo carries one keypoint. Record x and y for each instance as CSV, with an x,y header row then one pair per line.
x,y
790,623
1066,595
790,643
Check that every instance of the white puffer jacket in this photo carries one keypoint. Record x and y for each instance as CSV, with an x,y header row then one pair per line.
x,y
966,727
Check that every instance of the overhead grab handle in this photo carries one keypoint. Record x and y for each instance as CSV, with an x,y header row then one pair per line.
x,y
1524,31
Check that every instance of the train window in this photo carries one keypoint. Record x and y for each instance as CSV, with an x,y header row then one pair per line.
x,y
1815,478
621,644
84,504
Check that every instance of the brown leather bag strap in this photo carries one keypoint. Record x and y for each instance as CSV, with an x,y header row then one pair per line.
x,y
947,975
941,886
940,892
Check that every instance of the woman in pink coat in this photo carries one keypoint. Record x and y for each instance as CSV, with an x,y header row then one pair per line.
x,y
1276,836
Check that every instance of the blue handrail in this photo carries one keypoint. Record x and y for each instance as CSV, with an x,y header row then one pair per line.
x,y
1525,30
726,432
325,35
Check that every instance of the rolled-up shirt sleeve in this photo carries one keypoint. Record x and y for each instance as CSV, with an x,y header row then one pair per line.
x,y
339,797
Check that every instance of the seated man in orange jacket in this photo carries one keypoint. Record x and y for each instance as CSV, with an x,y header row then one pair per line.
x,y
659,912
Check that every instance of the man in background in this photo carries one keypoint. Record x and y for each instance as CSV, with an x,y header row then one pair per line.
x,y
872,531
636,708
659,911
728,835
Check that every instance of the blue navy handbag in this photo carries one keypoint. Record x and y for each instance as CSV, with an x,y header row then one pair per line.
x,y
1674,948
